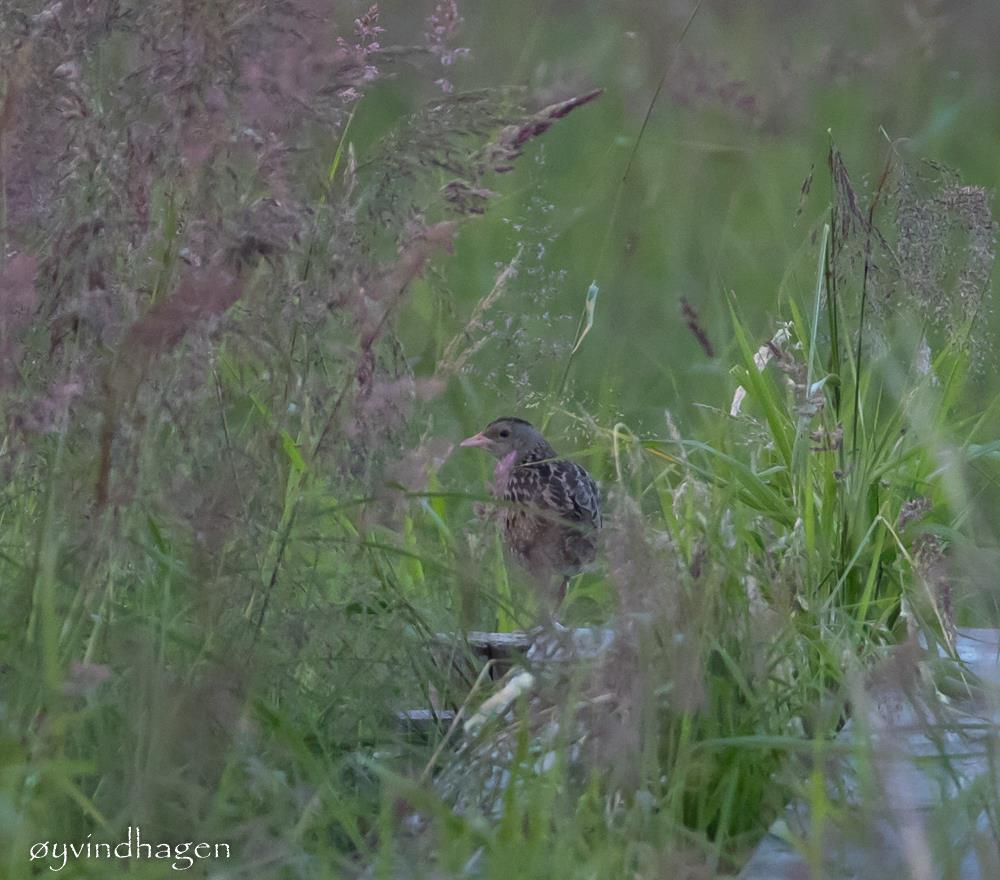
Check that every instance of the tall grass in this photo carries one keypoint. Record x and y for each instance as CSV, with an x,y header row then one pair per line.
x,y
759,575
239,342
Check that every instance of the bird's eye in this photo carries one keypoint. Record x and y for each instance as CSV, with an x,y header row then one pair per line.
x,y
505,433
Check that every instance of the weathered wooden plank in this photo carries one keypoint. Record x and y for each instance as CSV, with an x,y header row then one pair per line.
x,y
425,723
904,804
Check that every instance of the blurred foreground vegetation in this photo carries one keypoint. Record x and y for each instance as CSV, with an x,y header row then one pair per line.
x,y
265,264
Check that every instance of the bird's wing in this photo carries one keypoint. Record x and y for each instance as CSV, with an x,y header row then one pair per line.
x,y
563,487
585,495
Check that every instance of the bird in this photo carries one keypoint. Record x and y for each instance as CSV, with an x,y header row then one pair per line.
x,y
552,507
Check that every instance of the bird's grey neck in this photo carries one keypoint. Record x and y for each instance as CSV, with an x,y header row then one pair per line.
x,y
541,451
506,464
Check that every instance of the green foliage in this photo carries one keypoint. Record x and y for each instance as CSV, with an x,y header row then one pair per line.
x,y
257,281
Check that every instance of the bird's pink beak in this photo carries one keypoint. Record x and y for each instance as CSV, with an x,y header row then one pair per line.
x,y
479,439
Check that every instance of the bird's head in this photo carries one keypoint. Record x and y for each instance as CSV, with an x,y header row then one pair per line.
x,y
501,437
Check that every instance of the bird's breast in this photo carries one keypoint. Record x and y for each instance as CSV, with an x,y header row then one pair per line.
x,y
502,472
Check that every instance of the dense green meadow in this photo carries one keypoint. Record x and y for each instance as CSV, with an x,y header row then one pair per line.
x,y
264,266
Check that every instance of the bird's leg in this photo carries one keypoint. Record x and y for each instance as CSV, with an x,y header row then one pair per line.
x,y
560,598
561,592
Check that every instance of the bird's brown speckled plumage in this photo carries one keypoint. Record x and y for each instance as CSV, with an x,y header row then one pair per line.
x,y
552,510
